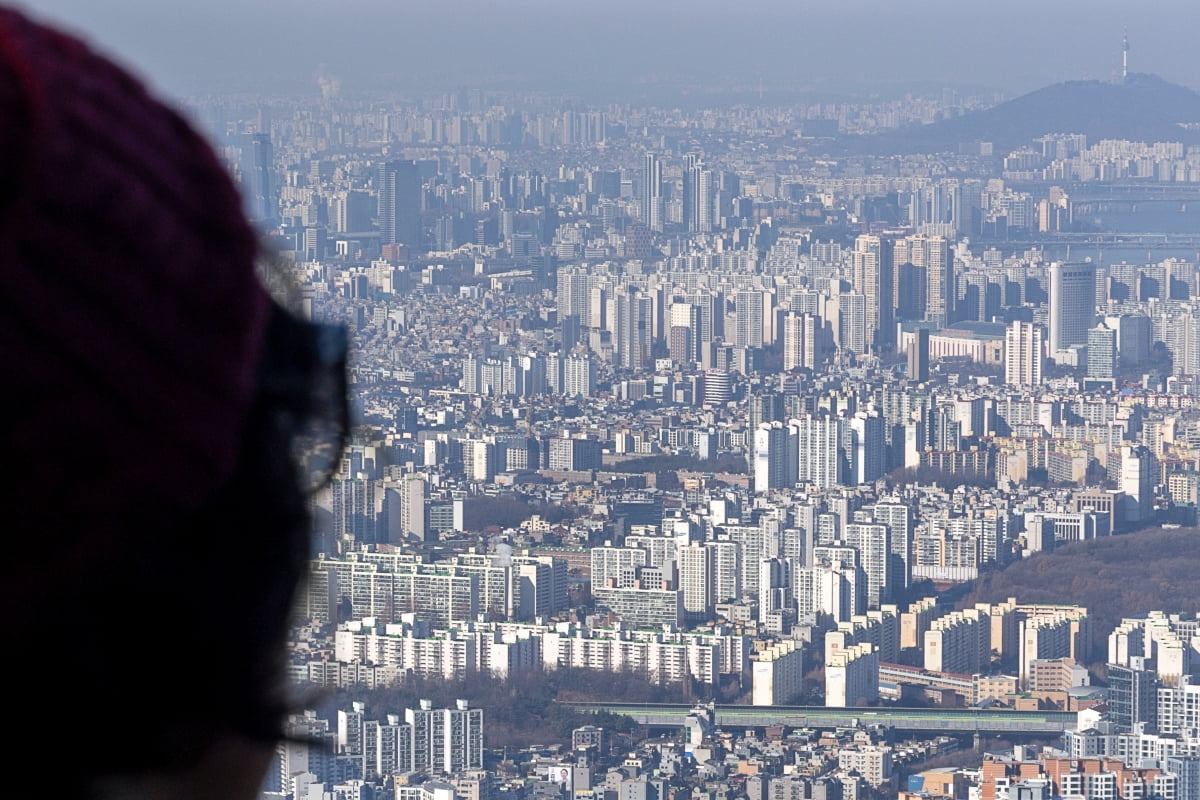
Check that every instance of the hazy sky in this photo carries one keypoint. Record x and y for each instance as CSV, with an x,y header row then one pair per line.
x,y
614,49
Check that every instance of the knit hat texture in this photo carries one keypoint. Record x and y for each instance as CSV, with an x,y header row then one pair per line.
x,y
131,317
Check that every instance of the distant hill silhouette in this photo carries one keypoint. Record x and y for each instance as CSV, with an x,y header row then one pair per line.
x,y
1143,108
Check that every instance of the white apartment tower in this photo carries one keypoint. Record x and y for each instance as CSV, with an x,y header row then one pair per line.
x,y
749,308
800,333
696,579
1023,354
819,454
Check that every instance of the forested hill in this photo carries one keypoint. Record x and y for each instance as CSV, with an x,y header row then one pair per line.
x,y
1114,577
1142,108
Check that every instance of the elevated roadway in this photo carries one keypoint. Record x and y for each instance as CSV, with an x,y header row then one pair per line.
x,y
923,720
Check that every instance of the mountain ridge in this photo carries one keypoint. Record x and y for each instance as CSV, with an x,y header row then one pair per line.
x,y
1143,107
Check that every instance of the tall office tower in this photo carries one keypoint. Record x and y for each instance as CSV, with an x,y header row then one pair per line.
x,y
851,325
259,191
800,347
867,447
874,546
1072,305
873,261
652,206
748,305
899,519
819,455
400,203
770,457
939,280
1023,354
1102,352
632,327
918,356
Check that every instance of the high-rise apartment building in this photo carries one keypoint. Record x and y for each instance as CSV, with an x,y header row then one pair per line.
x,y
770,457
874,545
749,309
412,508
579,375
633,327
1023,354
446,740
918,355
1102,352
800,341
899,520
652,206
696,579
933,270
819,455
698,195
851,328
873,262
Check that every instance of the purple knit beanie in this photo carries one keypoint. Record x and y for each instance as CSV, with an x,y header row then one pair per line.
x,y
131,318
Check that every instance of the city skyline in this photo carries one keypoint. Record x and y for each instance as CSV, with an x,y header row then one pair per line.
x,y
721,407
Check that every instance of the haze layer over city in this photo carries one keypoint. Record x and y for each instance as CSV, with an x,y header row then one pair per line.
x,y
620,50
785,401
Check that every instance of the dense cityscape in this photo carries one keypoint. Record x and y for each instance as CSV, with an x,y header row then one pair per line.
x,y
738,404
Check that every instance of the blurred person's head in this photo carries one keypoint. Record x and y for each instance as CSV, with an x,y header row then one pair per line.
x,y
156,528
